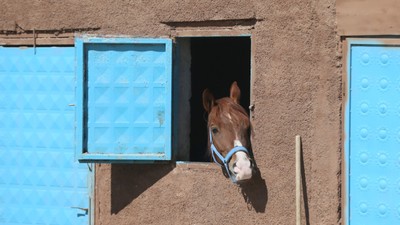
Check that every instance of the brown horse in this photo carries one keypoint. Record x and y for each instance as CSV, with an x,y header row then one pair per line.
x,y
229,134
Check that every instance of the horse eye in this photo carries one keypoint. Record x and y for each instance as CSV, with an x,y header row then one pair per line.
x,y
214,130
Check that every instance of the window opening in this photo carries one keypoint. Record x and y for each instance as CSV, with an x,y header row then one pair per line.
x,y
205,62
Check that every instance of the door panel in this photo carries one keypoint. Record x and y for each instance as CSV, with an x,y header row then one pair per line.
x,y
374,134
40,181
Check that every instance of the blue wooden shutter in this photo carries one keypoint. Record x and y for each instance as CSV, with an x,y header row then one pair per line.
x,y
124,99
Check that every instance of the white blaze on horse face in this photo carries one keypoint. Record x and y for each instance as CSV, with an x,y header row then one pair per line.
x,y
237,143
243,166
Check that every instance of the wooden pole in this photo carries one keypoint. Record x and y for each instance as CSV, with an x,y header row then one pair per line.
x,y
298,180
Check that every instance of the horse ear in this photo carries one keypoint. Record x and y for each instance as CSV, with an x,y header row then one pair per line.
x,y
208,100
235,93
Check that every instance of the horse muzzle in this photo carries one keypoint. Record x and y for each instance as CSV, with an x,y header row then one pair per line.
x,y
242,168
239,172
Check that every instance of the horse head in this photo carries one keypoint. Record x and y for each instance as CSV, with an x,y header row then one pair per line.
x,y
229,131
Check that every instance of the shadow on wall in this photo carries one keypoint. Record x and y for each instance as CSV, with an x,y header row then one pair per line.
x,y
129,181
255,193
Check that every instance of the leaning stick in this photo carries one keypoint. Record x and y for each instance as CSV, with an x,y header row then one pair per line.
x,y
298,180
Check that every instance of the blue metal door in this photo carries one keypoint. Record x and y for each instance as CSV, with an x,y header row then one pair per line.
x,y
40,181
373,140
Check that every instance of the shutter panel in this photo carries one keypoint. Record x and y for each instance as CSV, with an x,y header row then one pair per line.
x,y
124,88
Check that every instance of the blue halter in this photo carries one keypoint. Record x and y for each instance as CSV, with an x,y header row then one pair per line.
x,y
225,160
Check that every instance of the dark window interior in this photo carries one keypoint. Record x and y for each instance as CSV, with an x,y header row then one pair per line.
x,y
216,62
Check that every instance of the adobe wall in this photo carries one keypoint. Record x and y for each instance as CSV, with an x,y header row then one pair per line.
x,y
296,90
360,17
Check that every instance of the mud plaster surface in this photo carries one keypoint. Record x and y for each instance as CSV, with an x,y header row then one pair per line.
x,y
296,90
368,17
